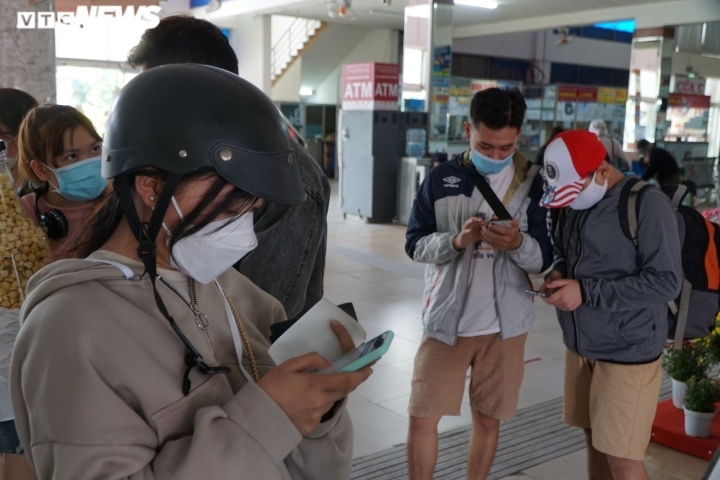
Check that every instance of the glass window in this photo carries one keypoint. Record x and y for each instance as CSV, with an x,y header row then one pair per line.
x,y
91,90
593,76
111,40
90,57
412,66
563,73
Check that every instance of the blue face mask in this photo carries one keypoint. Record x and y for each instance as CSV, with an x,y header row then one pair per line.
x,y
487,165
81,181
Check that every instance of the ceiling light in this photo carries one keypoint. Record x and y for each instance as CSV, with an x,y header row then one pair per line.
x,y
491,4
306,92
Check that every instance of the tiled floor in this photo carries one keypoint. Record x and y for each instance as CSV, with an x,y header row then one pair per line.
x,y
367,265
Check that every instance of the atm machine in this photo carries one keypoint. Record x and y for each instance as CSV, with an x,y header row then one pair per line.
x,y
371,145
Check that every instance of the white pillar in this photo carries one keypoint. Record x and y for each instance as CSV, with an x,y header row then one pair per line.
x,y
251,40
27,55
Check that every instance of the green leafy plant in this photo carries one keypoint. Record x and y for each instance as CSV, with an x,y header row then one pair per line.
x,y
702,394
711,343
682,365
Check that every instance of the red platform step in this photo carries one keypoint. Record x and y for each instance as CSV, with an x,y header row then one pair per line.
x,y
669,430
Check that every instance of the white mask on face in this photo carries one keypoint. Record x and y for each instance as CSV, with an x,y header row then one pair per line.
x,y
214,249
589,197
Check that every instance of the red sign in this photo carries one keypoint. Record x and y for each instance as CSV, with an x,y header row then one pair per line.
x,y
688,101
567,93
587,94
479,85
371,86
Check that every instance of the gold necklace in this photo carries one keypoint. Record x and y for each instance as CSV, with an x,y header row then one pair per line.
x,y
243,335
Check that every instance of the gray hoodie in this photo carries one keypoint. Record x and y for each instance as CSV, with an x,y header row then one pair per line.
x,y
623,317
96,384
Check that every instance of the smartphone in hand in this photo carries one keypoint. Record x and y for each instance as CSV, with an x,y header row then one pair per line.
x,y
501,223
363,355
537,293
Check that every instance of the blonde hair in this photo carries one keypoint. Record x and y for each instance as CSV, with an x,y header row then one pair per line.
x,y
41,135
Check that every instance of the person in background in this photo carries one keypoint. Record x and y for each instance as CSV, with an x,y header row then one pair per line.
x,y
554,214
643,149
438,158
611,299
59,150
660,165
476,312
541,153
14,105
615,150
289,262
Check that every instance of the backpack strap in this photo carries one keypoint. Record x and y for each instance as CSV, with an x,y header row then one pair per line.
x,y
682,315
679,194
629,209
490,197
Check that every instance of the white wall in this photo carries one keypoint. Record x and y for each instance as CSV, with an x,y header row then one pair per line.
x,y
287,88
379,45
174,7
279,24
250,37
586,51
533,45
510,45
706,67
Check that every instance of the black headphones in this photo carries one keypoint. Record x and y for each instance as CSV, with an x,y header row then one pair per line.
x,y
53,222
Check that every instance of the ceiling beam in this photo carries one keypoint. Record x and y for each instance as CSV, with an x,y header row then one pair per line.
x,y
645,14
232,8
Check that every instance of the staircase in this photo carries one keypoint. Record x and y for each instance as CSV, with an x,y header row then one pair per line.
x,y
291,45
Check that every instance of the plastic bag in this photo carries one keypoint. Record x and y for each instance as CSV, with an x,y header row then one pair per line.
x,y
24,247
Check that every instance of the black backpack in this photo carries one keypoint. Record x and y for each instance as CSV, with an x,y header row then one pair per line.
x,y
692,315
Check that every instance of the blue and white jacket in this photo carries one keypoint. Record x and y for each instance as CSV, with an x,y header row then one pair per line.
x,y
445,201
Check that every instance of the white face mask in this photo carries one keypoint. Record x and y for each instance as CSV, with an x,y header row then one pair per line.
x,y
214,249
589,197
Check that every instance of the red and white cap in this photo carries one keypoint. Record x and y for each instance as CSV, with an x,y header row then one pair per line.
x,y
569,159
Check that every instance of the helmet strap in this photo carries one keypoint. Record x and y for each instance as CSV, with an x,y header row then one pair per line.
x,y
146,234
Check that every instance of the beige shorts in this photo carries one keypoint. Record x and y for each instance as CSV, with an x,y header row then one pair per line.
x,y
497,368
617,402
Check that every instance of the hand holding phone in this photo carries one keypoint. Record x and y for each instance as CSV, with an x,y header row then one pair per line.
x,y
363,355
501,223
537,293
505,236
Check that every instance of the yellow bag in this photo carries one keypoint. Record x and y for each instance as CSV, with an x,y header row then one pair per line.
x,y
24,247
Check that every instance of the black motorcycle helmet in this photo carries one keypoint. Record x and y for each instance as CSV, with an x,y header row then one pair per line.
x,y
182,118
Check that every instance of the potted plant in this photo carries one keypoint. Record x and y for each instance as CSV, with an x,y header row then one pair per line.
x,y
681,365
700,398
